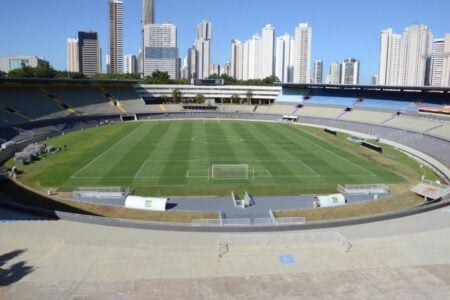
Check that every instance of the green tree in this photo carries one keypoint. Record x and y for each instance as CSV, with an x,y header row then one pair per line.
x,y
200,99
3,74
270,79
234,99
177,95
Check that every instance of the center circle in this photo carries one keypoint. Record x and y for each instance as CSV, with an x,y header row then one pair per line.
x,y
217,139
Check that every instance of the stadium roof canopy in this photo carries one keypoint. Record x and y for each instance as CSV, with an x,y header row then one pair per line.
x,y
5,81
381,88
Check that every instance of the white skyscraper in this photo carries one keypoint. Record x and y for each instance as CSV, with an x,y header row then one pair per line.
x,y
236,62
334,74
267,51
284,58
302,57
73,63
437,62
160,49
115,9
254,58
446,64
203,46
130,64
389,68
415,51
318,71
350,71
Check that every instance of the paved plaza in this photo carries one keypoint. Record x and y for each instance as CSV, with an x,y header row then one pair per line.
x,y
406,258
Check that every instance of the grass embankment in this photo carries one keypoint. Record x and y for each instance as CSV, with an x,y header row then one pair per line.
x,y
25,196
395,203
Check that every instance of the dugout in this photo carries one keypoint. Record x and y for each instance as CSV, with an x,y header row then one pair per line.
x,y
331,200
146,203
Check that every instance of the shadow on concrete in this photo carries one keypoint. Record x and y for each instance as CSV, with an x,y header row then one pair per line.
x,y
28,198
15,272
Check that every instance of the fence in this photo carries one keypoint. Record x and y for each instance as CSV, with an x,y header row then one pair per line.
x,y
248,222
363,189
100,192
224,241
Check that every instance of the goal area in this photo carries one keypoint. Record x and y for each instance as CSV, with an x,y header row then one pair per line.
x,y
230,171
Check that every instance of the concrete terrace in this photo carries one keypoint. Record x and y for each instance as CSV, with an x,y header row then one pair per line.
x,y
405,258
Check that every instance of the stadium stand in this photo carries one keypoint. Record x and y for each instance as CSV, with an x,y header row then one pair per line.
x,y
366,116
86,100
127,97
29,103
333,101
10,118
321,112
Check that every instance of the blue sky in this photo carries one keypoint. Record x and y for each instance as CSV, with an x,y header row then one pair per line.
x,y
340,28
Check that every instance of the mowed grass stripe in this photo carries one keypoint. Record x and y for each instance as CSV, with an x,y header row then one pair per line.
x,y
177,161
136,154
83,147
287,154
311,156
349,158
106,160
259,151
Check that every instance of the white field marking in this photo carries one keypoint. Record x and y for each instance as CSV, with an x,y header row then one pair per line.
x,y
189,174
106,151
184,176
267,175
335,154
140,169
308,167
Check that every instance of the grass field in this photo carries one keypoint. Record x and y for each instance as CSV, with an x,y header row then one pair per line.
x,y
175,158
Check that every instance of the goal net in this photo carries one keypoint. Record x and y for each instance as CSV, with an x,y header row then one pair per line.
x,y
230,171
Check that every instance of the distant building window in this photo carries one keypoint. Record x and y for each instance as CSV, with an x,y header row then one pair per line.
x,y
161,53
18,63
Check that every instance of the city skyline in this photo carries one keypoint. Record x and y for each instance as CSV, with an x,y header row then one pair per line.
x,y
353,37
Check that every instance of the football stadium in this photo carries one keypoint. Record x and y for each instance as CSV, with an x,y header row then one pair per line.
x,y
283,185
259,161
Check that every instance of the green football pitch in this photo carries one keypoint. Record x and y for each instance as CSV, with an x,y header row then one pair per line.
x,y
176,157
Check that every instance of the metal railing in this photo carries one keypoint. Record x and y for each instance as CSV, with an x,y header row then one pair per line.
x,y
224,241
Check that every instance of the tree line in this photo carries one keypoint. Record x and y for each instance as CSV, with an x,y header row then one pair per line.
x,y
157,77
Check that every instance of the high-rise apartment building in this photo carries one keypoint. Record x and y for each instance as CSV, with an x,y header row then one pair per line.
x,y
389,67
215,69
350,71
284,58
226,69
446,64
130,64
192,63
302,56
252,58
415,51
236,62
115,10
268,51
148,12
437,62
334,74
89,53
318,71
160,49
203,46
73,63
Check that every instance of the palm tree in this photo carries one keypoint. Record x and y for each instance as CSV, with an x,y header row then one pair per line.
x,y
249,96
177,95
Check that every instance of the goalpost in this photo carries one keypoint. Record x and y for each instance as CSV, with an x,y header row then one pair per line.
x,y
228,171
